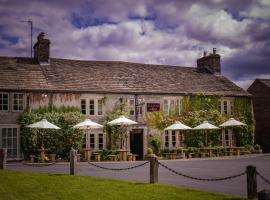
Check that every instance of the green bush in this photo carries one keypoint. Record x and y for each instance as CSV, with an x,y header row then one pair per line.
x,y
104,154
55,141
155,142
257,147
149,151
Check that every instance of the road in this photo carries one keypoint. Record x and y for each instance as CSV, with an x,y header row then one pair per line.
x,y
203,168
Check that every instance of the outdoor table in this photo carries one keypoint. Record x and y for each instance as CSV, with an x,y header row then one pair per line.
x,y
87,155
112,157
52,157
97,156
122,154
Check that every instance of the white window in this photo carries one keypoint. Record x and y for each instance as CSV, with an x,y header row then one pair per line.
x,y
229,138
173,138
92,107
169,106
4,99
99,106
131,106
18,102
100,141
83,106
166,142
226,107
166,107
92,141
181,139
9,137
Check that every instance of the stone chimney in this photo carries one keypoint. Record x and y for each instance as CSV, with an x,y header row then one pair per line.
x,y
42,49
209,63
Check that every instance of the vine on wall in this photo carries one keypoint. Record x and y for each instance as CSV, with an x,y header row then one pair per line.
x,y
197,109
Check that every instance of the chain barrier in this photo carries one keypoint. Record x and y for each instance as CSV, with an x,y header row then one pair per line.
x,y
202,179
39,164
263,178
118,169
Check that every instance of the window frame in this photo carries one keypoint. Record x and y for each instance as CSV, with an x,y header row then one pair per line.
x,y
99,109
8,101
166,139
226,103
12,127
85,109
131,107
93,108
13,104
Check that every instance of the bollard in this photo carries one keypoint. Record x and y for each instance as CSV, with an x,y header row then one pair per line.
x,y
251,182
73,162
264,195
3,158
153,169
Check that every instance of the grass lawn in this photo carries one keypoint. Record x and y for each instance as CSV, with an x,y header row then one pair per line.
x,y
39,186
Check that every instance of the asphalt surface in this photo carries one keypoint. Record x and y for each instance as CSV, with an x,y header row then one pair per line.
x,y
202,168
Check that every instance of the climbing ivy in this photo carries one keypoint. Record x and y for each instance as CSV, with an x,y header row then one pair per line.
x,y
55,141
197,109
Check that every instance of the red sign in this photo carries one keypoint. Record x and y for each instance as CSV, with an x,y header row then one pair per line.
x,y
152,107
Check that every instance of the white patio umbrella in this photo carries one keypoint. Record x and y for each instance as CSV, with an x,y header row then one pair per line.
x,y
123,122
43,124
87,125
232,122
177,126
205,126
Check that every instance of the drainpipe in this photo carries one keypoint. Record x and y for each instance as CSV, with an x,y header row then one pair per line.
x,y
136,106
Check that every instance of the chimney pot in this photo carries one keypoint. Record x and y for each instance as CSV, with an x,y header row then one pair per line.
x,y
204,53
42,49
214,51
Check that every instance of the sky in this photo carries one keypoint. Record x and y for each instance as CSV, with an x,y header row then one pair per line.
x,y
171,32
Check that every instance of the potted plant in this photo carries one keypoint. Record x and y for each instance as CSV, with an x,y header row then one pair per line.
x,y
148,153
257,149
180,153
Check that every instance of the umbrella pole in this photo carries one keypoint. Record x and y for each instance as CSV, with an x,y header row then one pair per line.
x,y
206,139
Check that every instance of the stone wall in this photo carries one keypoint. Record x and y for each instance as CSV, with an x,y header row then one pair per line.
x,y
261,105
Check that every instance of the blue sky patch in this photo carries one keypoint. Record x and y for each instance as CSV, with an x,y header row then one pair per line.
x,y
10,38
83,22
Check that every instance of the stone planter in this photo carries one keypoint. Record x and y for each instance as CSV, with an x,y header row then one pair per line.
x,y
257,151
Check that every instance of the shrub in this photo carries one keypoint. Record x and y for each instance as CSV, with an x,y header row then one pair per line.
x,y
257,147
155,143
249,147
55,141
149,151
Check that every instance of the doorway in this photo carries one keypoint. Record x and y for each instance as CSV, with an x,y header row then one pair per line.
x,y
136,142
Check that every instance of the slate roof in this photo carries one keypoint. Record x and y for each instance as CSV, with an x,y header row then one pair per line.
x,y
63,75
265,82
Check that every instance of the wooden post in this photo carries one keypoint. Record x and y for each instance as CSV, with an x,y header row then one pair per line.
x,y
264,195
73,162
251,182
3,158
153,169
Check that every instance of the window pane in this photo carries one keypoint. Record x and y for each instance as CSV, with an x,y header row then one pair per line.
x,y
100,141
4,132
9,132
18,102
83,106
3,102
166,139
132,107
99,107
92,107
173,138
92,141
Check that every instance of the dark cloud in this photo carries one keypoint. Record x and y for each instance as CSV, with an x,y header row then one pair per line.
x,y
164,31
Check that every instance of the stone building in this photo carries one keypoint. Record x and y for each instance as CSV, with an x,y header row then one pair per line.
x,y
96,86
260,90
